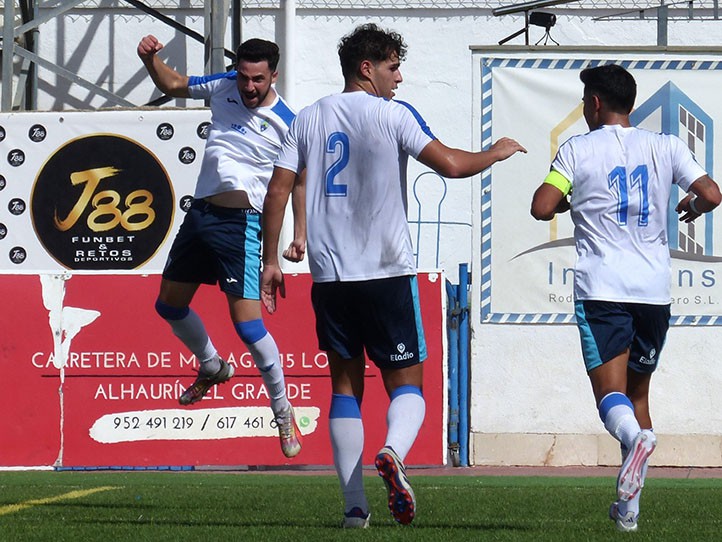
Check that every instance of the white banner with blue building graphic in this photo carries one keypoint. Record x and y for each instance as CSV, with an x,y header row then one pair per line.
x,y
536,98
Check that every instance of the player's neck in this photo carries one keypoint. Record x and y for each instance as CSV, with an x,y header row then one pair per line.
x,y
357,85
270,98
613,119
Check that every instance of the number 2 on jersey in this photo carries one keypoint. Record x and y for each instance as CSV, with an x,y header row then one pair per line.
x,y
337,143
638,181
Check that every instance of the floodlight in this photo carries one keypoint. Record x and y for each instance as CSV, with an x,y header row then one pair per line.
x,y
543,19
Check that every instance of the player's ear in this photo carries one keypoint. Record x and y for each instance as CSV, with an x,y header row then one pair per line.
x,y
365,69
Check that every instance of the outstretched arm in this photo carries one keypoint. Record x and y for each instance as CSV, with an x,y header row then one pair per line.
x,y
167,80
457,163
274,207
705,196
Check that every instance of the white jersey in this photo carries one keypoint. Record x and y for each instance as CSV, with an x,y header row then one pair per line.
x,y
355,149
242,142
621,179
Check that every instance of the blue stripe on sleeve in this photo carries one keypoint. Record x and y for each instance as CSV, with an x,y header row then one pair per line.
x,y
200,79
282,110
418,118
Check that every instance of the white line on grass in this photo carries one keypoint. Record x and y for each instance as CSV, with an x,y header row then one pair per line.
x,y
11,508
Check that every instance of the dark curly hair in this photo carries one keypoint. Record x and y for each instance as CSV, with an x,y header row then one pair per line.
x,y
614,85
368,42
258,50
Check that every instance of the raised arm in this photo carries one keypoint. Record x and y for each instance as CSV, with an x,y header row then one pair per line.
x,y
165,78
457,163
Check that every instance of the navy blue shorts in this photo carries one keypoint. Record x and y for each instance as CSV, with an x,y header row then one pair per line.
x,y
218,245
381,316
608,328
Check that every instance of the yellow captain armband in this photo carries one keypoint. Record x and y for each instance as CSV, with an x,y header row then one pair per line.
x,y
560,181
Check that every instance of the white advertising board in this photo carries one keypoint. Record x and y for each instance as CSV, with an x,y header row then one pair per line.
x,y
527,266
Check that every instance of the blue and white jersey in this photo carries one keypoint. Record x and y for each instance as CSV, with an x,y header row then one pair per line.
x,y
355,149
621,179
242,142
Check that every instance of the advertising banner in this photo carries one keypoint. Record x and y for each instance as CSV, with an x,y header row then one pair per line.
x,y
528,266
82,192
93,377
89,205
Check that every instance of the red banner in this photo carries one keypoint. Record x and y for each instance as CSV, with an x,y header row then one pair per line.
x,y
92,378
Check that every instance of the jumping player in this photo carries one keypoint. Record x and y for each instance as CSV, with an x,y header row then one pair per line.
x,y
220,239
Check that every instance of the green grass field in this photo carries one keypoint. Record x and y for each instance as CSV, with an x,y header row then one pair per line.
x,y
178,506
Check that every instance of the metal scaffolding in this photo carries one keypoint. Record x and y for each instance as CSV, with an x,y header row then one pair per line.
x,y
21,22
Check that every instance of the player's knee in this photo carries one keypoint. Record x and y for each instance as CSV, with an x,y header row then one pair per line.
x,y
167,312
252,331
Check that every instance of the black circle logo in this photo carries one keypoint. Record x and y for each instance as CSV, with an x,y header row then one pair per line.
x,y
187,155
3,231
16,206
185,203
203,129
17,255
164,131
3,182
2,133
16,157
102,202
37,133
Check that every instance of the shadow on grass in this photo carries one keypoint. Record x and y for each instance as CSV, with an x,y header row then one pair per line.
x,y
286,523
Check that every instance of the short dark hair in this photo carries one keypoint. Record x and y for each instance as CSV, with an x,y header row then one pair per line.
x,y
614,85
368,42
258,50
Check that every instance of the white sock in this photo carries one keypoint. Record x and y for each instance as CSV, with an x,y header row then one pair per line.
x,y
404,418
347,441
617,413
267,359
211,366
191,331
